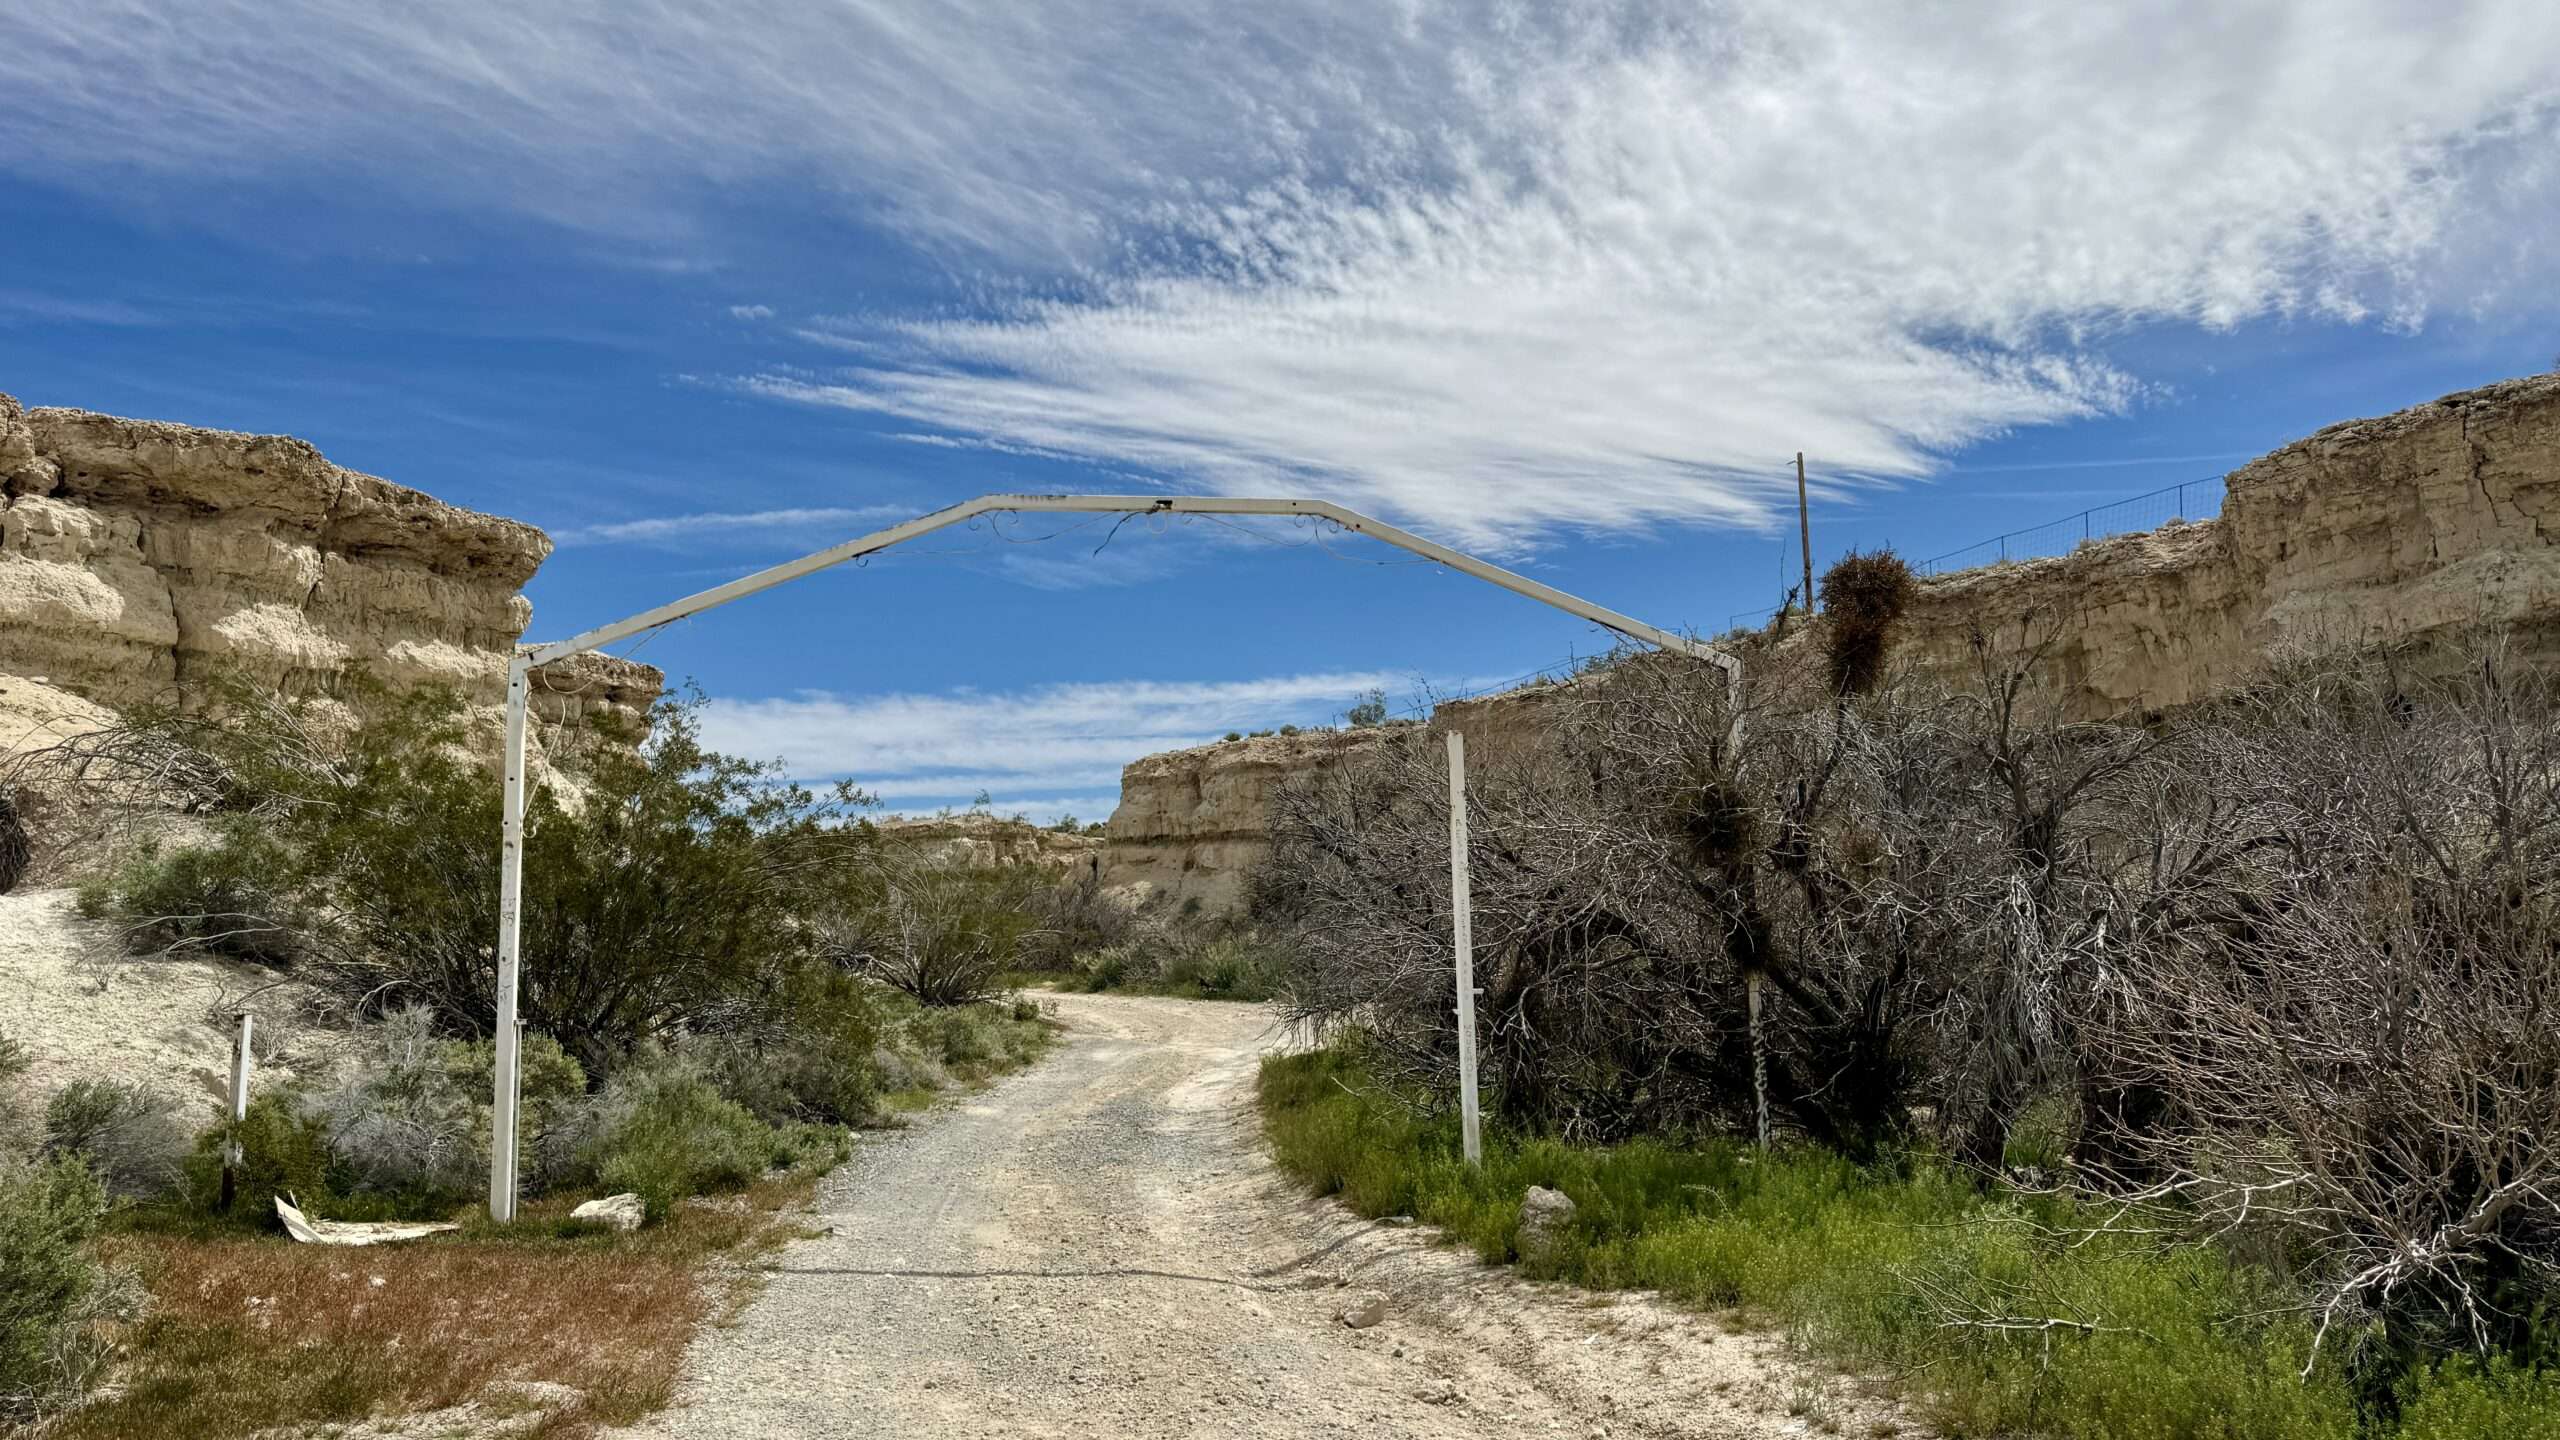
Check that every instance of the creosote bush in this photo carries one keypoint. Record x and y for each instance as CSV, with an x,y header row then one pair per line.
x,y
53,1288
670,888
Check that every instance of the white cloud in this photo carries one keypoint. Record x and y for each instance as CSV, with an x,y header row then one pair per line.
x,y
751,312
1038,809
1499,269
1052,741
818,525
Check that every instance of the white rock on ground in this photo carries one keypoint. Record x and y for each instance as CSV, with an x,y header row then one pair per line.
x,y
1366,1309
623,1212
1544,1217
1098,1246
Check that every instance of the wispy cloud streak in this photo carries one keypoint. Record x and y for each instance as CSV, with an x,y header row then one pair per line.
x,y
1505,270
827,521
1049,741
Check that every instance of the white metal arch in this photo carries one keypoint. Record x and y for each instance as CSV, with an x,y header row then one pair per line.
x,y
502,1137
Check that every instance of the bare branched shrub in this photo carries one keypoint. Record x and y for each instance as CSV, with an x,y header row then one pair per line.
x,y
2354,1036
1903,874
2286,967
943,933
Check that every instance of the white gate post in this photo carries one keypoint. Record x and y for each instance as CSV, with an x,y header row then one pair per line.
x,y
502,1163
502,1113
1462,917
231,1155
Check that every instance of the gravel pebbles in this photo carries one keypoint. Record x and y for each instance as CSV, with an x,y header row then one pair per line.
x,y
1097,1247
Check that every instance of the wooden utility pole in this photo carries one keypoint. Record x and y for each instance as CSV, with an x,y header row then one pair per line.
x,y
1804,531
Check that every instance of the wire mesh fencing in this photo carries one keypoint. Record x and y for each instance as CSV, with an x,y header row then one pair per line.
x,y
2189,500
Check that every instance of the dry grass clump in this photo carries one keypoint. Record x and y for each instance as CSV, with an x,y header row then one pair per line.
x,y
247,1335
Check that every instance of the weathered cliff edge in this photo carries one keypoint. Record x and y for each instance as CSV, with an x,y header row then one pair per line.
x,y
2442,515
987,841
139,558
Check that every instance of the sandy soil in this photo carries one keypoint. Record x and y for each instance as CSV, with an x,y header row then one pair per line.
x,y
1098,1247
82,1010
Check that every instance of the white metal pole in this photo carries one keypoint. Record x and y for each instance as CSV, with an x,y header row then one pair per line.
x,y
1462,924
502,1161
1759,1063
504,1089
239,1108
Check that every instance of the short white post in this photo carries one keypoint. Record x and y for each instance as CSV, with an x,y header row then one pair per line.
x,y
239,1109
1759,1062
1462,924
504,1087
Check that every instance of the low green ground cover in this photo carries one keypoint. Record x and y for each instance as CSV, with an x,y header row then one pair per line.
x,y
1904,1268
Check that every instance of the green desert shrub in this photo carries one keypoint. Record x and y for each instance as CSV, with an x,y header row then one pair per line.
x,y
52,1285
976,1040
662,1130
665,893
814,1059
130,1136
2466,1400
217,898
284,1151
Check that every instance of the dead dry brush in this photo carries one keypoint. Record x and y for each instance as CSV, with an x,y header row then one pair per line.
x,y
2354,1036
2281,971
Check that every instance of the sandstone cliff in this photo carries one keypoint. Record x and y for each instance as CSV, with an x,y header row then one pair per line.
x,y
2442,515
138,558
986,840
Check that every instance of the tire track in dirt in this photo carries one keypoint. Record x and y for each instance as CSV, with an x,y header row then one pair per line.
x,y
1098,1247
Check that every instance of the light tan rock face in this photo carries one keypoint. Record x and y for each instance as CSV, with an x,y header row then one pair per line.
x,y
1191,823
138,558
2440,516
986,840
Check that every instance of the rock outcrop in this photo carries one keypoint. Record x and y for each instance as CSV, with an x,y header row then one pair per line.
x,y
2440,516
138,558
989,841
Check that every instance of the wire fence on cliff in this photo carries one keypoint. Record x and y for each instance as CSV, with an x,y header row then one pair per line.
x,y
2186,500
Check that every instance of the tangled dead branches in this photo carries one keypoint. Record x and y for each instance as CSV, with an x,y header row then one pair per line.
x,y
2288,966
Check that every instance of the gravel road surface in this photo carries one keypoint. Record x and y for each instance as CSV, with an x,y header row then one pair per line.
x,y
1098,1247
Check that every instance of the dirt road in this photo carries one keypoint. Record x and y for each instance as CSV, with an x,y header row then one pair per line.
x,y
1097,1247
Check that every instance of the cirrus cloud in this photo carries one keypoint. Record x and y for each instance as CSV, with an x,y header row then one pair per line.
x,y
1025,748
1502,270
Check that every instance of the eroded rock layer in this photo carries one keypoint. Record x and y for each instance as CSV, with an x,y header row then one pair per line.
x,y
140,558
2439,516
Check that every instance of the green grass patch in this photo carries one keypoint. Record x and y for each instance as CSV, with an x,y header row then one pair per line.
x,y
1868,1265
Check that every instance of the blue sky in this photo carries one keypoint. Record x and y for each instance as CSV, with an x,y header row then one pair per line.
x,y
697,288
